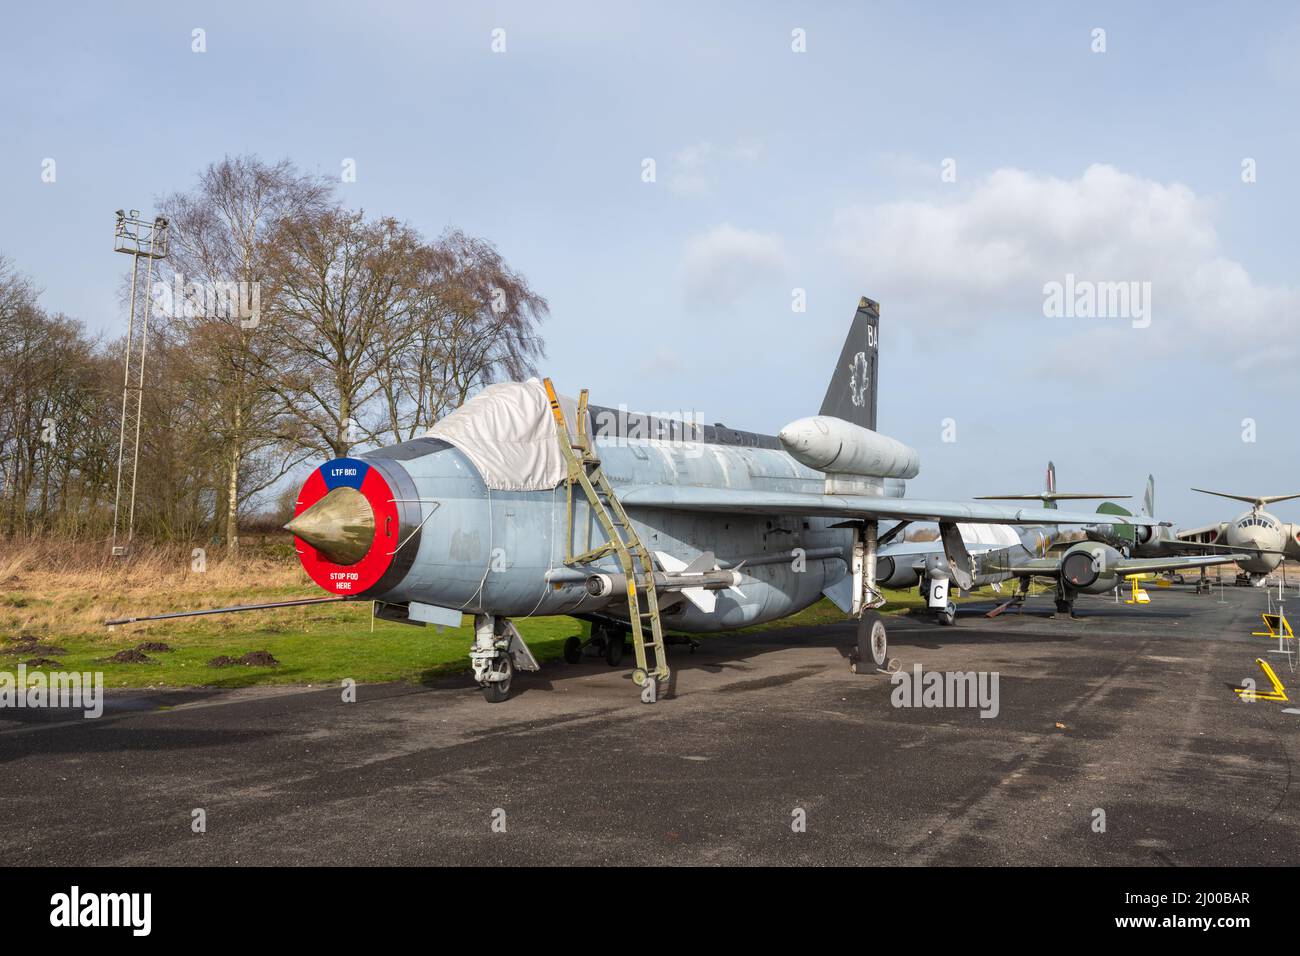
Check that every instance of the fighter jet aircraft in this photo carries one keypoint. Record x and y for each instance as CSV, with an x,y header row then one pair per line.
x,y
522,503
1001,553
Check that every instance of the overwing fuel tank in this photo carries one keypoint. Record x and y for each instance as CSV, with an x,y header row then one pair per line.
x,y
838,447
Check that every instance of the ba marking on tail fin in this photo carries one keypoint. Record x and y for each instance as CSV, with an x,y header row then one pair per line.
x,y
851,395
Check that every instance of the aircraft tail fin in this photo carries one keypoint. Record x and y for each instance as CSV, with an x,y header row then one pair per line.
x,y
851,394
1127,532
1049,496
1149,499
1258,501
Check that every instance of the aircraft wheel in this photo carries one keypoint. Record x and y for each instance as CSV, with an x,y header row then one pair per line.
x,y
496,691
573,650
1065,607
948,616
614,648
873,641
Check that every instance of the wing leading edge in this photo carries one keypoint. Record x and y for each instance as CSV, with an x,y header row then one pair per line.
x,y
1126,567
745,501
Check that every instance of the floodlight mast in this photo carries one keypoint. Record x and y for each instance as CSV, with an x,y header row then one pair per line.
x,y
139,239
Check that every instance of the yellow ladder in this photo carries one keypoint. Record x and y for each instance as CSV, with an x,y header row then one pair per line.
x,y
621,539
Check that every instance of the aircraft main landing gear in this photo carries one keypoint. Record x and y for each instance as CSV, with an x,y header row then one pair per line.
x,y
873,644
947,616
610,640
614,646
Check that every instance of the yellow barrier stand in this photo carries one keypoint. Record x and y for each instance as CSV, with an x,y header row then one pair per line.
x,y
1278,626
1278,693
1139,595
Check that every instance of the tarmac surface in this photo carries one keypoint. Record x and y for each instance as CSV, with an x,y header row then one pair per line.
x,y
1123,710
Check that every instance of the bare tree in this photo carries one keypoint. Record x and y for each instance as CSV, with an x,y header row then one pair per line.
x,y
217,262
343,293
474,320
364,332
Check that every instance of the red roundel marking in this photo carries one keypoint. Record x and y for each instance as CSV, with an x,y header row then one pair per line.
x,y
351,578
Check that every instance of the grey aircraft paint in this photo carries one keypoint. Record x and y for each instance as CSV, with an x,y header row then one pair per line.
x,y
447,542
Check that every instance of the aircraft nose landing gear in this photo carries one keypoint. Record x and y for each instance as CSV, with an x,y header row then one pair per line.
x,y
496,682
498,652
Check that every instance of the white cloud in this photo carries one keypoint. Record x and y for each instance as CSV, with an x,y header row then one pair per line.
x,y
718,266
696,168
991,249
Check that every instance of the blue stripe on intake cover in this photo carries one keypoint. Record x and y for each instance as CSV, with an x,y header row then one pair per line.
x,y
344,471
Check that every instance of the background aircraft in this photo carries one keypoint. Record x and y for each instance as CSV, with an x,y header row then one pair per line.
x,y
1000,553
1266,540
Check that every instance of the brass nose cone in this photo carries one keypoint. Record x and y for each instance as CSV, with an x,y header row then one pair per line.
x,y
341,526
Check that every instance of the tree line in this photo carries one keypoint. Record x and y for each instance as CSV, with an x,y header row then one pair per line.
x,y
284,327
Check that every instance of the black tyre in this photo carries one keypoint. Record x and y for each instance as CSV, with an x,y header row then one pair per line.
x,y
573,650
495,692
948,616
614,648
873,642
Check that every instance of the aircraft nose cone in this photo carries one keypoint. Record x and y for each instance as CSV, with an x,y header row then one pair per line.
x,y
789,437
341,526
1255,538
799,436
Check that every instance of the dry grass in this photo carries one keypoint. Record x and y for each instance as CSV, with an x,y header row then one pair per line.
x,y
50,589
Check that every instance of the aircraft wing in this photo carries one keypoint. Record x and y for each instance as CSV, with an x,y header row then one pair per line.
x,y
1130,566
1243,551
1125,567
747,501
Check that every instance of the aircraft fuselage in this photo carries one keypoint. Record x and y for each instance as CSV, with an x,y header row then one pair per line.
x,y
479,550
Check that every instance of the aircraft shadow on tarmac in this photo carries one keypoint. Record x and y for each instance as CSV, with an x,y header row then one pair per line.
x,y
1038,624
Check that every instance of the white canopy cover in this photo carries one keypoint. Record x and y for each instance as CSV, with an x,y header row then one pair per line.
x,y
507,431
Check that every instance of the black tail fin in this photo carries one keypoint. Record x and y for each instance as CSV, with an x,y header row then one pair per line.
x,y
851,394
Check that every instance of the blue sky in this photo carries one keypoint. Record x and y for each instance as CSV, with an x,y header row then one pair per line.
x,y
775,170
